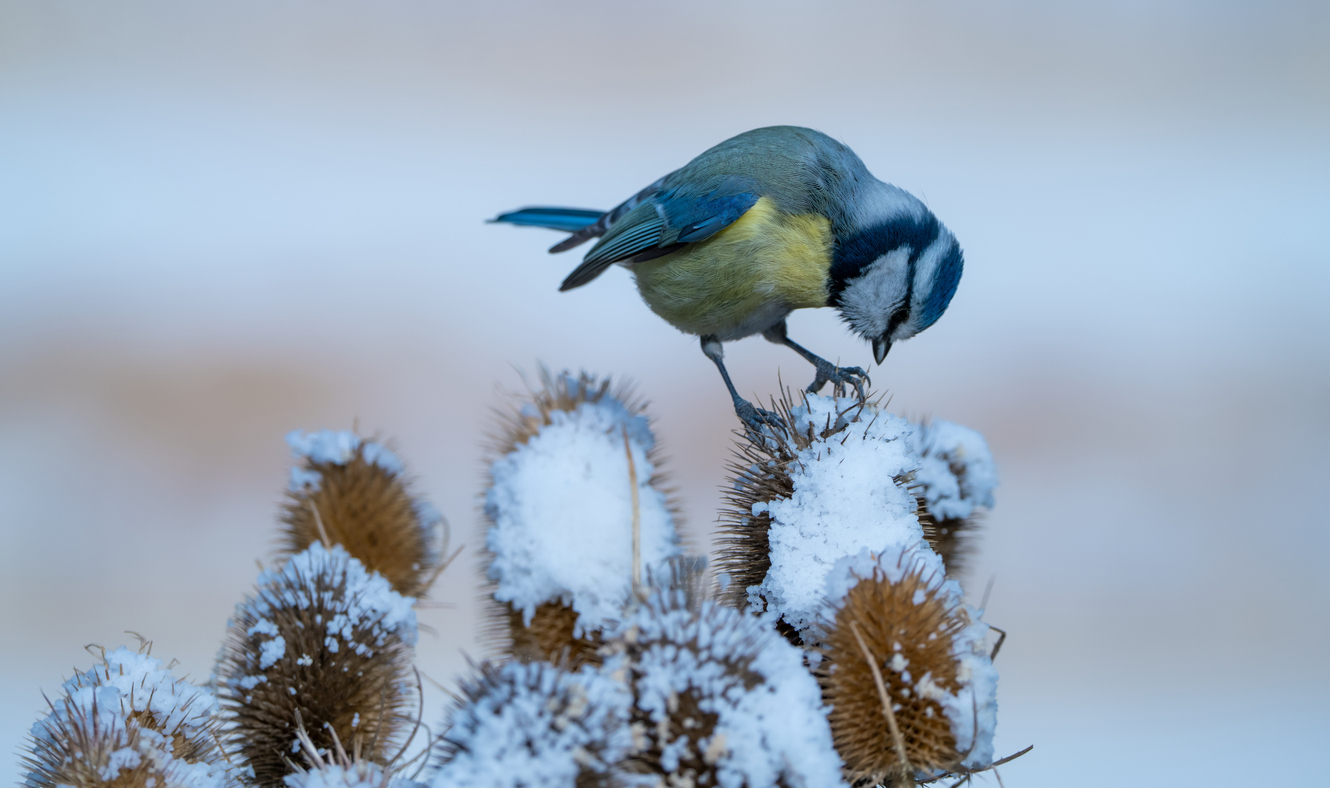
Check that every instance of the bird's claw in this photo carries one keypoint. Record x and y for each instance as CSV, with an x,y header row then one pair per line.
x,y
755,418
840,378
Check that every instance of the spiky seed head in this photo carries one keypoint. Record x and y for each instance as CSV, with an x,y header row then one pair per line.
x,y
355,493
523,724
324,642
955,483
718,697
550,602
931,655
790,486
128,722
952,539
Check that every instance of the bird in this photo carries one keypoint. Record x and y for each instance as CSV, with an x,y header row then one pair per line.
x,y
769,221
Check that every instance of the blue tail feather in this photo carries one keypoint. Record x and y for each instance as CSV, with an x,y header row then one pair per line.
x,y
566,219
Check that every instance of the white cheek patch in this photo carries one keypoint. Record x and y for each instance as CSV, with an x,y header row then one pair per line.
x,y
869,300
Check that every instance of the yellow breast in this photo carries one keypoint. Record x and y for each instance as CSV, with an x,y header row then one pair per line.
x,y
738,281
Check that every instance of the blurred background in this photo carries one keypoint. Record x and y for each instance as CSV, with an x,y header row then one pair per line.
x,y
220,222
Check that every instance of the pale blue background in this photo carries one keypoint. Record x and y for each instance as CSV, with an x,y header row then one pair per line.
x,y
219,222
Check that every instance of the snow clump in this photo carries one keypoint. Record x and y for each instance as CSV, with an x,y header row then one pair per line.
x,y
561,508
850,493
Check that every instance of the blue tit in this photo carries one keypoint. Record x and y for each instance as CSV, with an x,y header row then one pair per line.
x,y
773,220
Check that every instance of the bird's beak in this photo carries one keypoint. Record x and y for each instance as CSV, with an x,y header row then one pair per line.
x,y
880,347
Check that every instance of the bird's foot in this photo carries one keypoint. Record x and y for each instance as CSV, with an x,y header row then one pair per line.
x,y
755,418
840,378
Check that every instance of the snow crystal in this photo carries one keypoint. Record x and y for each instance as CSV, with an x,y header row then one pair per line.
x,y
956,470
561,508
771,727
271,651
972,711
335,447
845,498
533,724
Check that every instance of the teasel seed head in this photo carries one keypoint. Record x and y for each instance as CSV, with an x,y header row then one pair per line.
x,y
893,618
128,723
719,698
321,641
834,481
355,493
955,484
574,491
525,724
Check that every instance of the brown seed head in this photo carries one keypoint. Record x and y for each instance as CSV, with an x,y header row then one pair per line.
x,y
520,724
909,627
955,487
549,636
128,722
718,698
322,641
335,767
358,497
759,473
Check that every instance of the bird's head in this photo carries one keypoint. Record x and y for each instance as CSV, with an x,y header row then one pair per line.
x,y
894,273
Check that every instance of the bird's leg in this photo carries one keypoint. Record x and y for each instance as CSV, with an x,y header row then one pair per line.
x,y
753,417
839,377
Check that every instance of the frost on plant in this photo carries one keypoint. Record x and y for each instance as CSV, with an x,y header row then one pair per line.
x,y
354,493
719,699
955,481
896,610
842,484
533,724
322,641
576,469
127,721
835,649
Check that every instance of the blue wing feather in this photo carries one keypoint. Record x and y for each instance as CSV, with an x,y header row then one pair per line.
x,y
665,220
567,219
